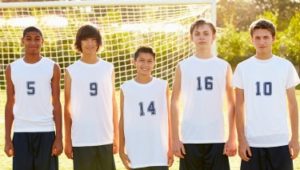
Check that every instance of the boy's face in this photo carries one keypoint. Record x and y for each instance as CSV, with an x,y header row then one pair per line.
x,y
144,64
32,42
203,36
89,46
262,40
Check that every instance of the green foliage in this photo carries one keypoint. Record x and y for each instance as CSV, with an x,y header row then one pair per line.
x,y
291,39
234,46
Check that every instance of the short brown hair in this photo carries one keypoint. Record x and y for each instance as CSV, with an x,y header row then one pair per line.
x,y
201,22
87,31
144,49
32,29
262,24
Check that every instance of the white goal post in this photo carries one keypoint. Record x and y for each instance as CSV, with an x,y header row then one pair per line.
x,y
124,25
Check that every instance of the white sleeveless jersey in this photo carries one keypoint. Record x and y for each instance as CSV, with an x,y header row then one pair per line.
x,y
265,83
33,109
146,123
91,103
203,84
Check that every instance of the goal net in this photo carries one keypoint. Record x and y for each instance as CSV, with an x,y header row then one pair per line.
x,y
125,25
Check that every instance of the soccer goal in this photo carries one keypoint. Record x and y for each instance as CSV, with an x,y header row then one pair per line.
x,y
124,25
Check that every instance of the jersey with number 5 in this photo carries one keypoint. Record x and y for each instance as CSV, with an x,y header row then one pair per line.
x,y
32,84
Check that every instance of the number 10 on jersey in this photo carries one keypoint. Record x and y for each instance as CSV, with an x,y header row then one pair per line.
x,y
264,88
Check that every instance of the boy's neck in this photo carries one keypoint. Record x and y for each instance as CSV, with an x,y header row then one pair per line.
x,y
143,79
263,56
203,53
89,59
31,59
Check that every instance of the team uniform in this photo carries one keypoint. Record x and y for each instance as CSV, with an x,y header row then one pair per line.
x,y
33,115
203,85
266,126
92,115
146,124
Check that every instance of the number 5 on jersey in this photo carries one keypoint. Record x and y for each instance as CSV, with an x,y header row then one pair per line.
x,y
30,88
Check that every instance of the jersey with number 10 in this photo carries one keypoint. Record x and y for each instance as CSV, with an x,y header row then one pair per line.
x,y
265,83
32,85
91,103
203,83
146,122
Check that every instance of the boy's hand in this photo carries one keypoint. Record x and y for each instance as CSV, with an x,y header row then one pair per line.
x,y
244,151
178,149
69,149
115,147
57,147
170,158
9,148
230,148
125,159
294,148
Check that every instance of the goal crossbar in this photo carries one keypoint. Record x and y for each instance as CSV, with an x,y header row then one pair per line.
x,y
102,2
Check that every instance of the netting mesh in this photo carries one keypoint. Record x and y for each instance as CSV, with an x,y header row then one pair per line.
x,y
124,29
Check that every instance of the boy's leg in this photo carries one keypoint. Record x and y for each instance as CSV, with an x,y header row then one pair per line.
x,y
85,158
42,144
214,159
193,159
280,158
105,157
258,161
23,158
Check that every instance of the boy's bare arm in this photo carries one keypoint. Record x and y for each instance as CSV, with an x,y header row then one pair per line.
x,y
244,149
55,85
293,110
67,116
122,153
115,117
178,148
230,146
9,117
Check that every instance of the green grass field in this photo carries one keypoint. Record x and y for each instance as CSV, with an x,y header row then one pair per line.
x,y
66,164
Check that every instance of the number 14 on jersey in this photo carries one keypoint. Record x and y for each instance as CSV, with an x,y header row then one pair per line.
x,y
150,108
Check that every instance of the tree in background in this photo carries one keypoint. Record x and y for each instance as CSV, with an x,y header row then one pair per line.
x,y
234,18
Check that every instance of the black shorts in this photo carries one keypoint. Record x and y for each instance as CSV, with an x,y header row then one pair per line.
x,y
153,168
94,158
33,151
204,157
273,158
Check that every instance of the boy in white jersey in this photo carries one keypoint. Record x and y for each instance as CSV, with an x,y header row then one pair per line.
x,y
33,106
201,82
145,119
263,83
91,117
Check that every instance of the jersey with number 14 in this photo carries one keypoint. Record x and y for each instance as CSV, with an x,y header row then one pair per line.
x,y
91,103
146,122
